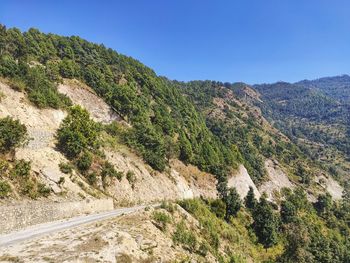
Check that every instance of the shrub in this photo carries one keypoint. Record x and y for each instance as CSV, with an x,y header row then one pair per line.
x,y
161,219
185,237
77,133
5,189
17,84
130,176
108,170
43,190
29,189
21,169
12,134
92,178
66,168
168,206
84,161
218,207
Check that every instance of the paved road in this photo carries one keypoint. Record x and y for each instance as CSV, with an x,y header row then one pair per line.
x,y
47,228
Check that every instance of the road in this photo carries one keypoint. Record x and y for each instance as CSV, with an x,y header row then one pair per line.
x,y
50,227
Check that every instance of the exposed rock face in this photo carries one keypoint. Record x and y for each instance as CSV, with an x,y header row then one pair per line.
x,y
241,181
332,186
84,96
150,185
277,180
42,125
180,181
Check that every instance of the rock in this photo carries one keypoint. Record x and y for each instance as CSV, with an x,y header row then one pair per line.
x,y
241,181
148,244
52,174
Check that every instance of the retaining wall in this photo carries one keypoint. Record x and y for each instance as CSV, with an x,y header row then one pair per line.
x,y
14,217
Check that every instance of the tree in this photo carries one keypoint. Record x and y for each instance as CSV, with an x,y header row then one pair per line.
x,y
233,203
288,212
186,153
304,175
250,200
298,242
12,134
324,204
77,133
265,223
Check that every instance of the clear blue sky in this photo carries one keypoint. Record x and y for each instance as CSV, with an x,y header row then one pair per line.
x,y
244,40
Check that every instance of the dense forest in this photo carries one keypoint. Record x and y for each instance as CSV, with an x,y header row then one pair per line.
x,y
213,125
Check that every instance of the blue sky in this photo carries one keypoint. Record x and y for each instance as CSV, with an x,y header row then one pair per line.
x,y
253,41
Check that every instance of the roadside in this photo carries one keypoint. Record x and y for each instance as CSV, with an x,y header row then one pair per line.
x,y
51,227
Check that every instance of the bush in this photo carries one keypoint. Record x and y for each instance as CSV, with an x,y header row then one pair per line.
x,y
108,170
185,237
77,133
12,134
5,189
92,178
168,206
218,207
43,190
66,168
161,219
84,161
28,188
130,176
21,169
17,84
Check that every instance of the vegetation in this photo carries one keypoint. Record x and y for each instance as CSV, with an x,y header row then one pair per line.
x,y
306,232
161,219
12,134
314,115
5,189
215,126
165,124
77,133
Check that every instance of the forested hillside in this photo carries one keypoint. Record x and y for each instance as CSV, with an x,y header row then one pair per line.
x,y
303,128
164,123
315,115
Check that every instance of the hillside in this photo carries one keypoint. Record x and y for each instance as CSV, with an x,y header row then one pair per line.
x,y
87,128
314,115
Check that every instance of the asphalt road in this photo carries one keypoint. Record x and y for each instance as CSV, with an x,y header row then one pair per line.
x,y
47,228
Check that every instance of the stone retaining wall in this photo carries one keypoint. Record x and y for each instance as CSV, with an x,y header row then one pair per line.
x,y
14,217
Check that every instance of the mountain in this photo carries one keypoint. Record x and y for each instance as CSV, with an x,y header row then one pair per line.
x,y
246,173
337,87
314,115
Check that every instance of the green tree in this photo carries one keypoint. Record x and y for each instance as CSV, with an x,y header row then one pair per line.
x,y
265,223
250,200
77,133
12,134
288,212
233,203
324,204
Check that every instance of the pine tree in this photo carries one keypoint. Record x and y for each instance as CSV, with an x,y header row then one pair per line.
x,y
265,223
250,200
233,203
